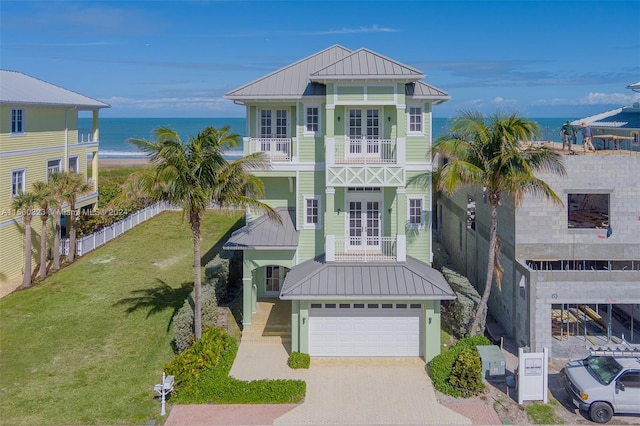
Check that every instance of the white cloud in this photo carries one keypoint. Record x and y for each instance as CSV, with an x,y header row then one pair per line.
x,y
594,98
373,29
169,104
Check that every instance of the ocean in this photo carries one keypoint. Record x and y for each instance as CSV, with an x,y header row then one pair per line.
x,y
115,132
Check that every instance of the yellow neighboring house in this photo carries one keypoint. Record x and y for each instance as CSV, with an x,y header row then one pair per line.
x,y
39,135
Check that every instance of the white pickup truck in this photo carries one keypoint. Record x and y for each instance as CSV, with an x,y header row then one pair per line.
x,y
605,383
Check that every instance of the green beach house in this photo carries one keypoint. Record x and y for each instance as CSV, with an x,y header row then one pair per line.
x,y
348,272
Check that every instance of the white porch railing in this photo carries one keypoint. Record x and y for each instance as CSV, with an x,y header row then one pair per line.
x,y
91,242
86,136
276,149
365,249
365,151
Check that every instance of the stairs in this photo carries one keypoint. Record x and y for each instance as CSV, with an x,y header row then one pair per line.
x,y
270,324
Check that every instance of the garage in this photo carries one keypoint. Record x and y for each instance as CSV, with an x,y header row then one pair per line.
x,y
365,329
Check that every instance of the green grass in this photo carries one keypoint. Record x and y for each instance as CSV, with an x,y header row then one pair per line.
x,y
87,345
543,414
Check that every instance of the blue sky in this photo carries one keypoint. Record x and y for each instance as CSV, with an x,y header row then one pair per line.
x,y
178,58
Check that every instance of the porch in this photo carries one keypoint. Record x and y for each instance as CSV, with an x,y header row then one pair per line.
x,y
271,323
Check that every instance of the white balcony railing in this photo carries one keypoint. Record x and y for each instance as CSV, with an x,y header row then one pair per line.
x,y
365,151
86,136
276,149
365,249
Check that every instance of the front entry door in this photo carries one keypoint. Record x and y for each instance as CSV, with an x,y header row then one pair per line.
x,y
364,225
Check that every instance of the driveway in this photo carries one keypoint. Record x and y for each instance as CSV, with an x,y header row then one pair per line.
x,y
350,390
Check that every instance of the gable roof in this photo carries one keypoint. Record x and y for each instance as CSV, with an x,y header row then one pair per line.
x,y
422,90
266,234
306,76
627,118
18,88
363,64
316,279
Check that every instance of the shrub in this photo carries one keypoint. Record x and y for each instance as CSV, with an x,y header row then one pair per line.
x,y
466,375
183,320
441,365
212,383
299,360
216,273
204,354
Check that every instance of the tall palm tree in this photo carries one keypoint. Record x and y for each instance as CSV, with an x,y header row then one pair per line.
x,y
195,175
74,186
57,184
44,193
491,153
26,204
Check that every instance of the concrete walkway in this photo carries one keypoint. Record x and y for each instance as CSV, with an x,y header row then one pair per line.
x,y
350,390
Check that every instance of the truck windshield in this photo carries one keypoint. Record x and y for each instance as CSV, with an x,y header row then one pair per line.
x,y
603,368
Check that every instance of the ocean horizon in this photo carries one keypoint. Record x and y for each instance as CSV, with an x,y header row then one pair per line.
x,y
116,132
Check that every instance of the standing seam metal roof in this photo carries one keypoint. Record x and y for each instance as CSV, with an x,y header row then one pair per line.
x,y
297,80
19,88
410,280
265,234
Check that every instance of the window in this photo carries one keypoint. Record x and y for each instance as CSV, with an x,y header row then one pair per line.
x,y
312,120
17,121
630,379
73,164
345,305
312,212
415,306
401,305
273,123
316,305
588,211
415,120
416,217
53,166
17,182
372,306
387,305
358,305
265,123
471,214
329,305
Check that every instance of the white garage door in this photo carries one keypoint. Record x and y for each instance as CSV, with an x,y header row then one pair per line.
x,y
365,330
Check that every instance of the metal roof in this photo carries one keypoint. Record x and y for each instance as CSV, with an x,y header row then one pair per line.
x,y
627,118
411,280
18,88
291,81
266,234
305,77
364,64
634,86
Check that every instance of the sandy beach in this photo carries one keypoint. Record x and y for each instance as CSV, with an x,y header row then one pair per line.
x,y
122,162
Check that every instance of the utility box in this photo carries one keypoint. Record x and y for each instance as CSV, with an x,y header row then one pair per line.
x,y
493,363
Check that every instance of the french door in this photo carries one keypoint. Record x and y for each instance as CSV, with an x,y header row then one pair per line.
x,y
364,133
364,224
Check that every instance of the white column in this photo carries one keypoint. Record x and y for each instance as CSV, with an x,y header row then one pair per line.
x,y
401,248
330,248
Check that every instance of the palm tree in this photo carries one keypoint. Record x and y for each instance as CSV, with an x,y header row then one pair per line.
x,y
195,175
26,203
45,195
491,153
73,187
57,185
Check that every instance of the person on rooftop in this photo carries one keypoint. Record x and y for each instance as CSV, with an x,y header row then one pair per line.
x,y
586,138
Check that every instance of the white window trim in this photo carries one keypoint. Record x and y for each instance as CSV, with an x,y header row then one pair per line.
x,y
24,180
306,225
77,163
273,121
59,160
422,122
422,213
23,121
304,112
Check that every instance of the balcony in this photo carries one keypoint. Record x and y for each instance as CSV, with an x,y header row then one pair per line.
x,y
276,149
365,151
86,136
365,249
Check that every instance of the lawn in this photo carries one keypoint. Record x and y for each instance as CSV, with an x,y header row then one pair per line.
x,y
87,345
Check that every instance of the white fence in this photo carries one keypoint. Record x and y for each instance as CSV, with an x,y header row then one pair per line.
x,y
91,242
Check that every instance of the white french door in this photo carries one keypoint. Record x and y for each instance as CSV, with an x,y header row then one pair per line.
x,y
364,133
364,224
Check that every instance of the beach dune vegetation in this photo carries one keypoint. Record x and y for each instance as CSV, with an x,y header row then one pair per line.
x,y
196,175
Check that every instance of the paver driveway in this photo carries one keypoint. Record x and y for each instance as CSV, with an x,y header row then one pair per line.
x,y
351,390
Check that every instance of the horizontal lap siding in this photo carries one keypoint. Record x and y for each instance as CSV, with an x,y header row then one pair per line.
x,y
12,241
380,94
311,243
350,93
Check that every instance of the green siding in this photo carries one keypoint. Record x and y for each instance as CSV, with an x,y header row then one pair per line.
x,y
380,94
350,93
311,243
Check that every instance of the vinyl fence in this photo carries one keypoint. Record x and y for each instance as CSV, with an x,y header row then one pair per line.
x,y
91,242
